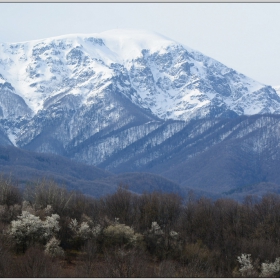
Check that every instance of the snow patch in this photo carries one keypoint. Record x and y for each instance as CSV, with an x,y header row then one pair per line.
x,y
277,89
2,80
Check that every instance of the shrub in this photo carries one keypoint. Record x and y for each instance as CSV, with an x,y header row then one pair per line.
x,y
247,269
36,264
52,248
118,234
270,269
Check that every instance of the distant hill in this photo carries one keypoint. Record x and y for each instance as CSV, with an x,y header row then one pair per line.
x,y
255,190
25,167
142,182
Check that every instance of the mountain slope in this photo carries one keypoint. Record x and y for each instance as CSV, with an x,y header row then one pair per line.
x,y
238,153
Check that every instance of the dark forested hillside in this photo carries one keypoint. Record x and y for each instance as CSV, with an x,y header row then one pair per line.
x,y
25,166
230,154
212,157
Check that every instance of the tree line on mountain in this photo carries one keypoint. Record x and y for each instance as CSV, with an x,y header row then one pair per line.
x,y
48,231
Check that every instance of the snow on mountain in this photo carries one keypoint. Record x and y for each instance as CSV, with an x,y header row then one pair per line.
x,y
129,43
277,89
171,80
2,80
92,96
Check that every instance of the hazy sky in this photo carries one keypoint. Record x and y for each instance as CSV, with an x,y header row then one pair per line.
x,y
243,36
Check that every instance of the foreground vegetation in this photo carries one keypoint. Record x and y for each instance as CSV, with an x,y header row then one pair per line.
x,y
47,231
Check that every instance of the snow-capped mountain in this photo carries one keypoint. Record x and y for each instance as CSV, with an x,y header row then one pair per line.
x,y
156,73
89,97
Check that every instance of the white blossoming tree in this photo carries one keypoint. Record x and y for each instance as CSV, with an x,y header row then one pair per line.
x,y
96,230
28,229
155,229
84,231
270,269
53,249
118,234
81,231
121,234
246,268
160,242
267,269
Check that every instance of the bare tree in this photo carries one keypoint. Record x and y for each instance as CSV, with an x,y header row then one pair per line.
x,y
88,258
9,194
6,260
35,263
125,263
46,193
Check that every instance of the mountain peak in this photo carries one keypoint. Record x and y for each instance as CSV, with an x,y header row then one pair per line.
x,y
154,72
129,43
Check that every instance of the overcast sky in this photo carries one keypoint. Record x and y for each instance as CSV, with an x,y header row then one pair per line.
x,y
243,36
